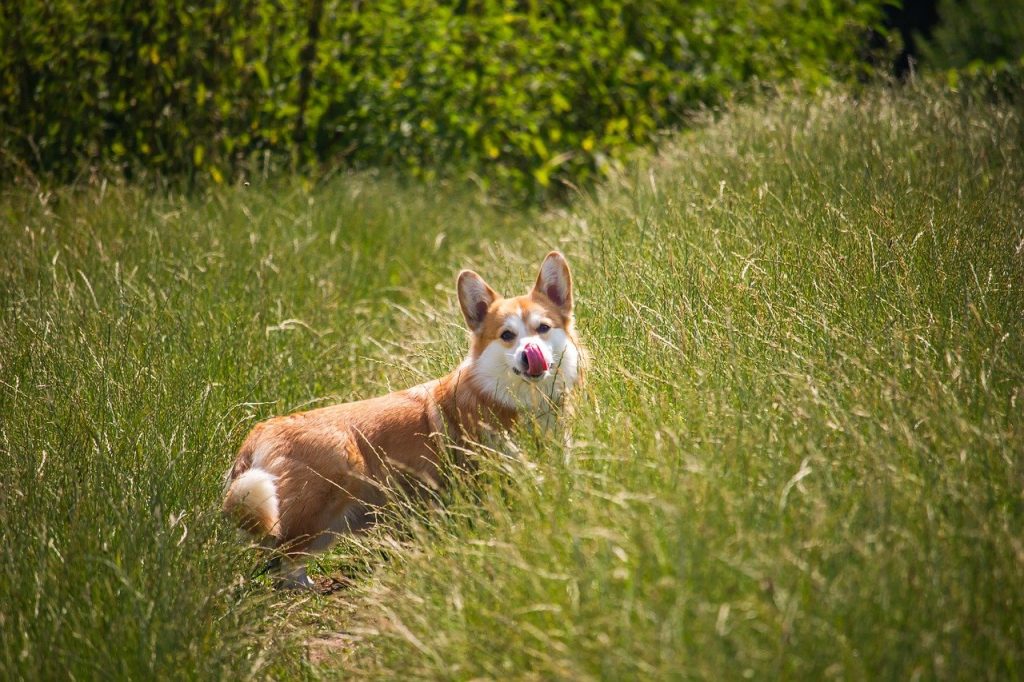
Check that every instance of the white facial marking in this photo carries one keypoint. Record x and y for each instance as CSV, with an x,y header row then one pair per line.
x,y
498,371
515,323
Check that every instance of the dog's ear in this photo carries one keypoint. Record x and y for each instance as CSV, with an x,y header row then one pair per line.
x,y
555,281
475,298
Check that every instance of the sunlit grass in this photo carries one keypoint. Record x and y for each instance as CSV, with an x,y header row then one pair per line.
x,y
799,452
142,336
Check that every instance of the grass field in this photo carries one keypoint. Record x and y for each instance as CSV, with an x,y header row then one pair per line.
x,y
800,452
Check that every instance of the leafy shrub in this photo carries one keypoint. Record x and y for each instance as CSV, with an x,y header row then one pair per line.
x,y
527,94
975,32
169,85
978,49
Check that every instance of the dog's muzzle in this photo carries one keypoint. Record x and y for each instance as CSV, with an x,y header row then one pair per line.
x,y
532,361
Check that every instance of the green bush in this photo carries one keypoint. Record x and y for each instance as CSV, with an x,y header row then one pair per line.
x,y
166,85
527,94
978,49
975,32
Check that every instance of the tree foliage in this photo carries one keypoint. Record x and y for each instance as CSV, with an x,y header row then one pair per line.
x,y
525,93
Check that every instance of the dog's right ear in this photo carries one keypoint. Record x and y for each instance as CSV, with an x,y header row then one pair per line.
x,y
475,298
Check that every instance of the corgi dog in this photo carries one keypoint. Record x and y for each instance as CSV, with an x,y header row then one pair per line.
x,y
300,480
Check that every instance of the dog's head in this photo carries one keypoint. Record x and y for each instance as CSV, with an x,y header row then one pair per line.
x,y
524,350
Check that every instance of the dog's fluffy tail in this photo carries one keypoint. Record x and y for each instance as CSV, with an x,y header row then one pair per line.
x,y
252,499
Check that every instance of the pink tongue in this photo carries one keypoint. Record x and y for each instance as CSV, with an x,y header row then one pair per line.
x,y
535,359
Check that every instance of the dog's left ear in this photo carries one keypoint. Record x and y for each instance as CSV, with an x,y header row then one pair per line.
x,y
555,281
475,298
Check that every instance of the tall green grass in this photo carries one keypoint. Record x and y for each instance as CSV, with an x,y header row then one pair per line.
x,y
141,337
799,452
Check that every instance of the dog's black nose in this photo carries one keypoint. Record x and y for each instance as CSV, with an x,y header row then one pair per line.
x,y
523,360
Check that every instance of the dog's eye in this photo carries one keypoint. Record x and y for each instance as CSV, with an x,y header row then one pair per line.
x,y
508,335
544,328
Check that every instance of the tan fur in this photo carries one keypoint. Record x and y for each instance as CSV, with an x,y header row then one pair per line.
x,y
331,466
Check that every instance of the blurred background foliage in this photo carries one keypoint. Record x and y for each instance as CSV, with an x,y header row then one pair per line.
x,y
524,95
972,33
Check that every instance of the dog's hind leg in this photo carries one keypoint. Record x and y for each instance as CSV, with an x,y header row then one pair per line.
x,y
290,571
291,575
